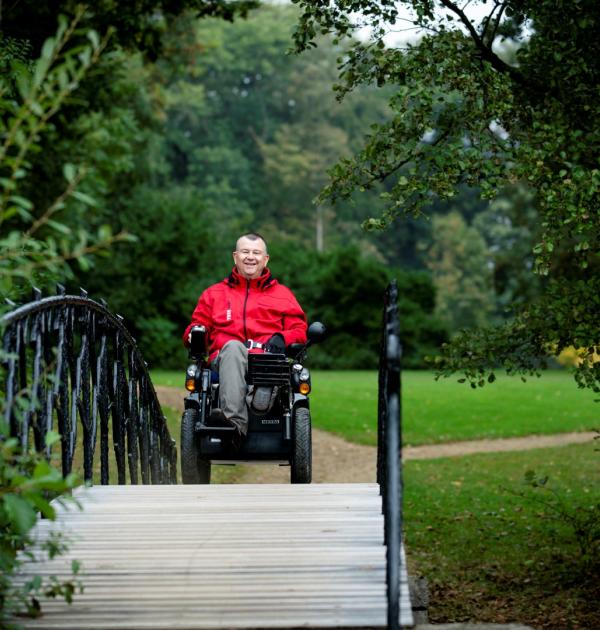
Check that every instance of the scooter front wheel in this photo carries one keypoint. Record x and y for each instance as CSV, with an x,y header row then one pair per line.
x,y
301,469
194,469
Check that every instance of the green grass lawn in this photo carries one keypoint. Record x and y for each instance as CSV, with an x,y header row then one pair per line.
x,y
440,411
445,410
492,555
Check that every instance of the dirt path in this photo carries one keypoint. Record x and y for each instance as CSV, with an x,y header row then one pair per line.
x,y
336,460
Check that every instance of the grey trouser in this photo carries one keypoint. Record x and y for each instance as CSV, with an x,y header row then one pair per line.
x,y
232,364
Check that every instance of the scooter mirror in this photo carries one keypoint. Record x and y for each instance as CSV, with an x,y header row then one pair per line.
x,y
316,332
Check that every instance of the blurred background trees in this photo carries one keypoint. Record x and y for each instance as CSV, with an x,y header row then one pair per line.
x,y
190,131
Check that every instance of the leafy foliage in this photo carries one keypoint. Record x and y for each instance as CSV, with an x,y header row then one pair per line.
x,y
464,115
28,483
36,243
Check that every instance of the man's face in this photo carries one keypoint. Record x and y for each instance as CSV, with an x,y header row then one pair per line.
x,y
250,257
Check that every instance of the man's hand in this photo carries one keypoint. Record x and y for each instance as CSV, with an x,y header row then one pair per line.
x,y
276,344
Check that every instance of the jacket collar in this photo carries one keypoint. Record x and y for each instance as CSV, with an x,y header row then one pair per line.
x,y
262,282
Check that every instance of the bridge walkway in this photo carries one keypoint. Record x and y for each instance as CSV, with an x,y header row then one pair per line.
x,y
223,556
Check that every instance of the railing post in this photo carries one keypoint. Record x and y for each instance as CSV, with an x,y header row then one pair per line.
x,y
389,451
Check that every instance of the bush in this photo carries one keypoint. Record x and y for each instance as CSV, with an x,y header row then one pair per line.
x,y
160,343
345,290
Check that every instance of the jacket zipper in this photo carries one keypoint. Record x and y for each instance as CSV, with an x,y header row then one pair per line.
x,y
245,303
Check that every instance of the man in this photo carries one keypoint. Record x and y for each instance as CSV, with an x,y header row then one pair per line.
x,y
249,311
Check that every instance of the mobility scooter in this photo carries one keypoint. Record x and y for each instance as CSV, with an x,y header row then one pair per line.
x,y
279,432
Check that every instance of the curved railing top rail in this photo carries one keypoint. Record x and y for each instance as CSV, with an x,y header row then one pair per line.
x,y
70,362
40,304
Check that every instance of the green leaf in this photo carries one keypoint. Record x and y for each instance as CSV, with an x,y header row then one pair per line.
x,y
42,505
21,201
42,468
69,172
48,49
20,513
52,438
93,37
89,201
84,263
59,227
104,232
41,70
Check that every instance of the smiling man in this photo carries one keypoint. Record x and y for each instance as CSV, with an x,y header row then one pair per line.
x,y
249,311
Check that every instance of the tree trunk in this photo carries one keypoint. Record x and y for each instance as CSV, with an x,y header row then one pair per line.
x,y
319,228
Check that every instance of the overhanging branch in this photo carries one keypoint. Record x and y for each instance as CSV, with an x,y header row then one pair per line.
x,y
486,51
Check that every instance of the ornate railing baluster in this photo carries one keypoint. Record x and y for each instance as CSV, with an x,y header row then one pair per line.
x,y
143,433
82,396
61,389
11,380
34,411
21,352
102,395
73,362
132,419
117,410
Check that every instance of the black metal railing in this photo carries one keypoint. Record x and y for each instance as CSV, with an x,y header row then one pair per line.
x,y
389,450
70,365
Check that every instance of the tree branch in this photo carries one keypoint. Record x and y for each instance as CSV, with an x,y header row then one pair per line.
x,y
497,24
381,175
486,52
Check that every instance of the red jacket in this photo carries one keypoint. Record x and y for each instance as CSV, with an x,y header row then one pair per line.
x,y
242,309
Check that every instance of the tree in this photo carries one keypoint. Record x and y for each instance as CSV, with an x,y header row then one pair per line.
x,y
465,115
461,273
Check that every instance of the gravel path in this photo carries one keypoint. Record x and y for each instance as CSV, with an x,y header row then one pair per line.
x,y
336,460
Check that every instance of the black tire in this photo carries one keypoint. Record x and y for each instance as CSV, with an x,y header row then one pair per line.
x,y
194,469
301,447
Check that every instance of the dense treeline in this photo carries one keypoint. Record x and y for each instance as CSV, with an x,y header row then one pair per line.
x,y
212,130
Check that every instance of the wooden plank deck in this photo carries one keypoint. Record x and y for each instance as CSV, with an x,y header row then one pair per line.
x,y
223,556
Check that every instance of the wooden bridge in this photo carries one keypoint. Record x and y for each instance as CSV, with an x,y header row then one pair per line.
x,y
223,556
158,555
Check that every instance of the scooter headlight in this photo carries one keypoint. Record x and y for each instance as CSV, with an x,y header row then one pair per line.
x,y
190,378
